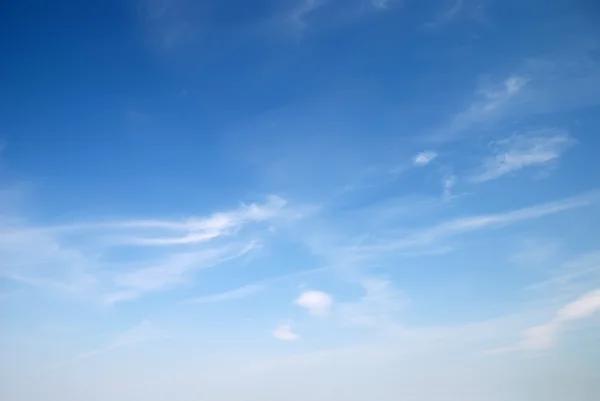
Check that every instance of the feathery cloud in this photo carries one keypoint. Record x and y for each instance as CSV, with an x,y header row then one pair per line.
x,y
377,308
521,151
173,271
544,336
447,16
491,103
84,258
428,236
206,229
231,295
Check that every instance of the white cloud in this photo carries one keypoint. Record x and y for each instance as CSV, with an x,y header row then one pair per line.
x,y
567,280
424,158
377,308
562,81
491,104
545,335
318,303
520,151
584,307
284,332
428,236
535,254
201,230
82,259
172,271
237,293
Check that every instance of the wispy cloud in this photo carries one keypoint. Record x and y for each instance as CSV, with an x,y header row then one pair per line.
x,y
564,80
284,332
302,11
545,335
206,229
492,101
566,281
84,258
238,293
448,184
520,151
253,288
318,303
145,331
428,236
377,308
173,271
535,254
447,15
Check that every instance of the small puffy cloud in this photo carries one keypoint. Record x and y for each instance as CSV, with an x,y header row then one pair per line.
x,y
284,332
424,158
318,303
535,148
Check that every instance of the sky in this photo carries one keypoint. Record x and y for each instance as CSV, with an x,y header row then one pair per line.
x,y
300,200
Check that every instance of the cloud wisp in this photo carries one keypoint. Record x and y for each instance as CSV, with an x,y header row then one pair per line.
x,y
431,235
545,336
537,148
492,102
231,295
144,331
173,271
115,261
376,309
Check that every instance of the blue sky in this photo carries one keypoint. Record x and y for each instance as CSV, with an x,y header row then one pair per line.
x,y
300,199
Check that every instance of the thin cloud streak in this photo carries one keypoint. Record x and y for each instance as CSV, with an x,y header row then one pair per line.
x,y
173,271
545,336
490,105
517,152
231,295
72,258
430,235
